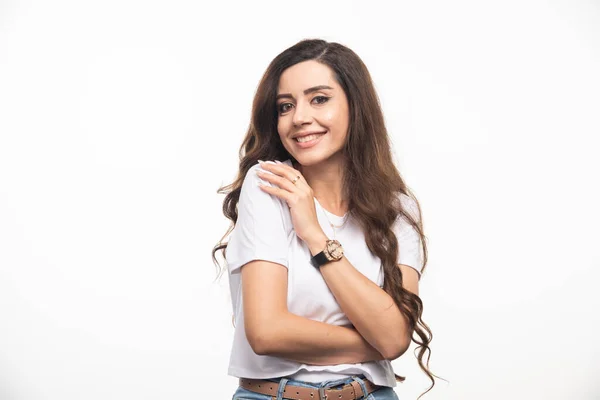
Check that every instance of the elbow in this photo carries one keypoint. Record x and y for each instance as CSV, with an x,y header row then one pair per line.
x,y
262,340
263,334
259,343
397,351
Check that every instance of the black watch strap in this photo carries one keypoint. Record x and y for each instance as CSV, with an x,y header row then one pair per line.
x,y
319,259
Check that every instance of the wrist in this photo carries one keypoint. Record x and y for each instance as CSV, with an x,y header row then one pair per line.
x,y
316,243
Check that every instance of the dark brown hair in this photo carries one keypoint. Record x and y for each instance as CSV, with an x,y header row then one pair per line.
x,y
370,171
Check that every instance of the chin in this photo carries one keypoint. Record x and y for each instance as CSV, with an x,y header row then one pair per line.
x,y
307,160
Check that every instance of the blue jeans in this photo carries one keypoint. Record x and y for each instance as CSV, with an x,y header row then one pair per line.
x,y
384,393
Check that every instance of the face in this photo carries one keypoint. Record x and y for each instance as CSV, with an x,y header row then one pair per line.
x,y
310,101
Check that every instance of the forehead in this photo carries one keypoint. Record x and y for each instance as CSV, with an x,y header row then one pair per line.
x,y
305,75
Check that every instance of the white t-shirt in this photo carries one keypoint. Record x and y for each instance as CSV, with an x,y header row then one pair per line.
x,y
264,231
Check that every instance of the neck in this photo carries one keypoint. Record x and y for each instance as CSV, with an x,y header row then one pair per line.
x,y
325,179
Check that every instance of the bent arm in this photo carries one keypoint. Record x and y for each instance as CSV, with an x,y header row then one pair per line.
x,y
272,330
312,342
368,307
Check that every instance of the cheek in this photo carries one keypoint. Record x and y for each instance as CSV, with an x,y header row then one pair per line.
x,y
330,116
283,124
283,128
335,119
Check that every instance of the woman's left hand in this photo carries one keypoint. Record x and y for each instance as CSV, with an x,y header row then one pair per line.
x,y
299,197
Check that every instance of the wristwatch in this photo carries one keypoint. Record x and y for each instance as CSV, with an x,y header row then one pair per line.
x,y
333,252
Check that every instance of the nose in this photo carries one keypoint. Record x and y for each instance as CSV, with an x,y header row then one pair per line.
x,y
301,115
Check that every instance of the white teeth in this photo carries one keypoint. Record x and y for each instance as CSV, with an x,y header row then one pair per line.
x,y
308,138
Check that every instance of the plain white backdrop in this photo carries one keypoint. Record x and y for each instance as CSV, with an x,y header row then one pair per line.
x,y
119,120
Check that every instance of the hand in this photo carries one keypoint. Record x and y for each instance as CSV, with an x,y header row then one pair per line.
x,y
299,197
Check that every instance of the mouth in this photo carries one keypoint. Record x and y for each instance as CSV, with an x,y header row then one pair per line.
x,y
307,141
309,137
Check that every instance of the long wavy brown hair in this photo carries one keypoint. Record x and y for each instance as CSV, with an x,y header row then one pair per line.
x,y
371,181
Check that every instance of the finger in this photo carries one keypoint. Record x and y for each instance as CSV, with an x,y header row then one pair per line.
x,y
282,194
292,170
280,181
284,170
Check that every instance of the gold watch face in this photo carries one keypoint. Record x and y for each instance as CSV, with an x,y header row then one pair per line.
x,y
334,250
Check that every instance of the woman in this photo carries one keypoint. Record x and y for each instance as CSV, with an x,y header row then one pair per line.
x,y
326,244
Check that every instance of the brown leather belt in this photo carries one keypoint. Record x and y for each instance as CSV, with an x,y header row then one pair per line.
x,y
350,391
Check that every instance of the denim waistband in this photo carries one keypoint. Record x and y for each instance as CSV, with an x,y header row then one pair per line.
x,y
317,385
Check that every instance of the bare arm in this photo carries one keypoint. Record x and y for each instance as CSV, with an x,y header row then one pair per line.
x,y
371,310
368,306
272,330
317,343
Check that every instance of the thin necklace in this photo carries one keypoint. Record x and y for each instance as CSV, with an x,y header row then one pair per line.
x,y
330,223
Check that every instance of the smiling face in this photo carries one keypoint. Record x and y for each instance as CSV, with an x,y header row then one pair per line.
x,y
309,100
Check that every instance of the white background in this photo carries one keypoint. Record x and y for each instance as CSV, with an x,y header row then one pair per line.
x,y
119,120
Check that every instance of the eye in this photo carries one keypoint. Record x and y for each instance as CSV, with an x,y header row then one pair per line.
x,y
282,108
285,107
324,99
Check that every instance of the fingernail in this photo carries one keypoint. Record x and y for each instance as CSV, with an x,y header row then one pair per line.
x,y
278,162
260,162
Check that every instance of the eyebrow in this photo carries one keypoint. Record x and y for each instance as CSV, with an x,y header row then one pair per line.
x,y
306,91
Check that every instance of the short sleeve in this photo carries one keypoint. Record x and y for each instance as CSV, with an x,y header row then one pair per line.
x,y
260,231
409,240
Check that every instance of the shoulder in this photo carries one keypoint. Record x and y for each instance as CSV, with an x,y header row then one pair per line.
x,y
250,184
260,204
252,180
410,206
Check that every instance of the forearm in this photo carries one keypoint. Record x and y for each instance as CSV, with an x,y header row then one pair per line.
x,y
312,342
370,309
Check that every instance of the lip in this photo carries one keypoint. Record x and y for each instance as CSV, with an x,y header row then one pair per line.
x,y
307,134
312,143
